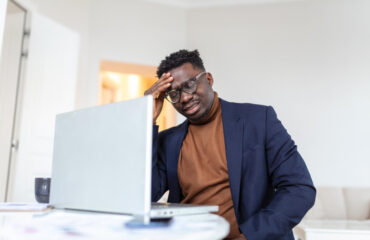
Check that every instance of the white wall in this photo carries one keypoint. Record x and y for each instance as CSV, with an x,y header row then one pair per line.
x,y
131,31
74,15
3,5
48,89
308,59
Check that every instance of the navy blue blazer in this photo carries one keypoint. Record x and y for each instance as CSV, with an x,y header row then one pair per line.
x,y
271,187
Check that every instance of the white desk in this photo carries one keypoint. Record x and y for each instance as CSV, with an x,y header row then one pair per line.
x,y
333,230
81,225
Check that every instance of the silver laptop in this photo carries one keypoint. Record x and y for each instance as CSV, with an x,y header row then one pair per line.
x,y
102,162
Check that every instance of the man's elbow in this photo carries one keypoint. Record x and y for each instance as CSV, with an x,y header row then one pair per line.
x,y
306,201
309,197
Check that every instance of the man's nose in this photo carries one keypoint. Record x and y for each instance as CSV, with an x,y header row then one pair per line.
x,y
185,97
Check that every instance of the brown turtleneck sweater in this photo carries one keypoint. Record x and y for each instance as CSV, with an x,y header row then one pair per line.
x,y
202,167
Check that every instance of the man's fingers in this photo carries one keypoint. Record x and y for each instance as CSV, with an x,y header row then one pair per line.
x,y
165,82
160,86
163,78
161,90
164,75
163,87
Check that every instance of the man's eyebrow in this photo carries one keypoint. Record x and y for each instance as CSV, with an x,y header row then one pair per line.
x,y
192,78
171,88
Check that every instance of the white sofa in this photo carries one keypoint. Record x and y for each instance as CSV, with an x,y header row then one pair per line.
x,y
347,203
338,213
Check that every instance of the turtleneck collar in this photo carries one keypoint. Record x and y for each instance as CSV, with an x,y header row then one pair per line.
x,y
211,115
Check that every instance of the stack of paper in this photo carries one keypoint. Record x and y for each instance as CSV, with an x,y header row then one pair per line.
x,y
24,207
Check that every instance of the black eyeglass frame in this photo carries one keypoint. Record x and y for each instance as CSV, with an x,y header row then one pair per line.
x,y
181,88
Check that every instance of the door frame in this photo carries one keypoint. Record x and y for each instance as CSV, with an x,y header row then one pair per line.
x,y
17,101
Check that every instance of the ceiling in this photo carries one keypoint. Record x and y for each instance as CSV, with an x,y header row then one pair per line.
x,y
210,3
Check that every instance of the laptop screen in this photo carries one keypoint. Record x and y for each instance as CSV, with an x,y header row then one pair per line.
x,y
102,158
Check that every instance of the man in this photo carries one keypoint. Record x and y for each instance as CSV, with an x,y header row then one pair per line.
x,y
237,156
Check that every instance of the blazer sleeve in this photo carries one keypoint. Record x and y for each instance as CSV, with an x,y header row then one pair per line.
x,y
294,192
159,171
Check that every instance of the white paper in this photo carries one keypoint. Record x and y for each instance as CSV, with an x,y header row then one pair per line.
x,y
18,206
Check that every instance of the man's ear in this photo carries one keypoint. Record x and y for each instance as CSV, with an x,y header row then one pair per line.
x,y
210,79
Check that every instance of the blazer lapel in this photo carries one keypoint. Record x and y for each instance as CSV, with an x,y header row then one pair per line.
x,y
233,135
173,180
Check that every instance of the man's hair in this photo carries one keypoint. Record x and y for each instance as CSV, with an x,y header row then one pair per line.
x,y
178,58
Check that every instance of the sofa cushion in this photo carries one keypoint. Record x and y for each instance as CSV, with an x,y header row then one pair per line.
x,y
329,204
333,202
357,203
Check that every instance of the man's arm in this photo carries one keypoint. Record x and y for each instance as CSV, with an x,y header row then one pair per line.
x,y
159,172
159,179
294,191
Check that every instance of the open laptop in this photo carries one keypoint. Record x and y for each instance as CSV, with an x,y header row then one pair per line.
x,y
102,161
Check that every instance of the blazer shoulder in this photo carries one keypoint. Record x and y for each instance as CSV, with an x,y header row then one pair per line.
x,y
245,110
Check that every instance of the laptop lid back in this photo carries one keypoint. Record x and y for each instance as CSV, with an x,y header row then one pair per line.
x,y
102,158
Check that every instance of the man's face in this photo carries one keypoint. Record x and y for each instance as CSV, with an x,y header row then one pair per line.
x,y
193,106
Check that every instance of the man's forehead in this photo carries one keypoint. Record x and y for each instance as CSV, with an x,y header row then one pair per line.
x,y
184,71
182,74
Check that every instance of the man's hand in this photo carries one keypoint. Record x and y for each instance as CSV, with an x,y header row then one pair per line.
x,y
158,90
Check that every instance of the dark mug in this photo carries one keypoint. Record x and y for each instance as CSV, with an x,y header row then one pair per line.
x,y
42,190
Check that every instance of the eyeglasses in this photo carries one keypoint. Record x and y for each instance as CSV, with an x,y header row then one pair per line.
x,y
190,87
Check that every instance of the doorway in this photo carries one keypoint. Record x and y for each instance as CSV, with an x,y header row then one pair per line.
x,y
38,78
11,62
123,81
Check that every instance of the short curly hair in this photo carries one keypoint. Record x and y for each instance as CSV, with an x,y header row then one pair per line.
x,y
178,58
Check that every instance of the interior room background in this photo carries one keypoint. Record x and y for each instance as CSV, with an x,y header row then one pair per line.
x,y
309,59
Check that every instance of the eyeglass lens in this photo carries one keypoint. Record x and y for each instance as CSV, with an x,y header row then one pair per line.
x,y
189,87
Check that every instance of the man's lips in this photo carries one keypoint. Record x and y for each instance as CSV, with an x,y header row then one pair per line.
x,y
192,108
